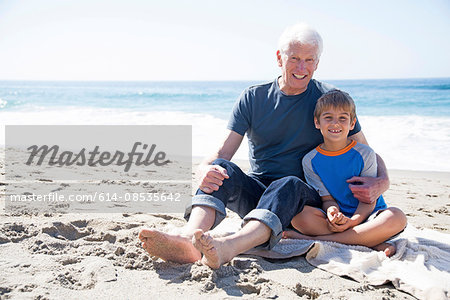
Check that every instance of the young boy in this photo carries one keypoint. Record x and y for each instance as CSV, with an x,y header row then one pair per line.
x,y
327,168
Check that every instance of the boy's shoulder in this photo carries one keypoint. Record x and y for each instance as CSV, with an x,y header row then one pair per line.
x,y
309,156
364,150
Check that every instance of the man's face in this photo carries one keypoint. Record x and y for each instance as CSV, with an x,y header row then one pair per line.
x,y
298,64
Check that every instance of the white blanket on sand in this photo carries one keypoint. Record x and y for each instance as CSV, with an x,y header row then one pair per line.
x,y
420,267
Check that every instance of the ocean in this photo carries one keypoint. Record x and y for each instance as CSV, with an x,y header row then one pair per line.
x,y
406,121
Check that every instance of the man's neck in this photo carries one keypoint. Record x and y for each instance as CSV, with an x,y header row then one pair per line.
x,y
288,91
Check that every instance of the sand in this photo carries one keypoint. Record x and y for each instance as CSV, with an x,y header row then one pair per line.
x,y
86,256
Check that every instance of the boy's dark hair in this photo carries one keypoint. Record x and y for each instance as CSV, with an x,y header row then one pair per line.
x,y
335,99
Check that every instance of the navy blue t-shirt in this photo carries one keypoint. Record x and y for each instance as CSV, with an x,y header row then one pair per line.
x,y
280,128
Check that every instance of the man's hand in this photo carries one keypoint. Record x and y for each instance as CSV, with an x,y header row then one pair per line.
x,y
367,189
212,179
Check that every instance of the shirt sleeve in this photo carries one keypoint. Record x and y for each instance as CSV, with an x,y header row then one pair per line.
x,y
311,176
240,118
370,160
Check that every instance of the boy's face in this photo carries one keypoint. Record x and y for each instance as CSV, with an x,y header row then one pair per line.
x,y
334,124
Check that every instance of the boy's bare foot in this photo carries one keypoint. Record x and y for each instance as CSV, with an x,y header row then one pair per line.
x,y
291,234
169,247
387,248
212,249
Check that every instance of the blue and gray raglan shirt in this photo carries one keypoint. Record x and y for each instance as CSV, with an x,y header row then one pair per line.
x,y
327,172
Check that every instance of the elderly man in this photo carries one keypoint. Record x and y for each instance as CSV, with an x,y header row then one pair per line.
x,y
278,119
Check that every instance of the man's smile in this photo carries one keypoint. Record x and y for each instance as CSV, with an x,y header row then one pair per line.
x,y
300,76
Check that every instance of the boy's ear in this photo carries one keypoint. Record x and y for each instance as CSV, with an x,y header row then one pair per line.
x,y
316,122
352,125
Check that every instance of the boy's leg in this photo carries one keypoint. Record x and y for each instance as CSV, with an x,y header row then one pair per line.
x,y
310,221
372,233
263,226
239,192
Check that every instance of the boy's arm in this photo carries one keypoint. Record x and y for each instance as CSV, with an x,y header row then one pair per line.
x,y
337,221
362,212
369,171
328,201
372,187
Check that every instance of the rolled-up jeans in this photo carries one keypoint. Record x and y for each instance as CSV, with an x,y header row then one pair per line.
x,y
272,202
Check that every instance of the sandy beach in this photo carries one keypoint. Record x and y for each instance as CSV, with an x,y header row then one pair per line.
x,y
85,256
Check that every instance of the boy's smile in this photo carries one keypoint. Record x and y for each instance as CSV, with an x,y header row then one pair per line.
x,y
335,123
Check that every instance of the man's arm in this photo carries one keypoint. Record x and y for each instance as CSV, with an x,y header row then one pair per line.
x,y
372,187
212,176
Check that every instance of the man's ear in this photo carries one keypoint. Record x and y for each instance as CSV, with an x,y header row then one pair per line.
x,y
317,64
280,62
316,122
352,125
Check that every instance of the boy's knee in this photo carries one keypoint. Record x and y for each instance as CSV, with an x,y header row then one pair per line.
x,y
398,216
306,219
395,217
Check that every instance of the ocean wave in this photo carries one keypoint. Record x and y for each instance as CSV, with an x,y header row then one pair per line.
x,y
3,103
409,142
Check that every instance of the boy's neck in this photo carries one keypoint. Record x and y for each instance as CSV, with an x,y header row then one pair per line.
x,y
335,145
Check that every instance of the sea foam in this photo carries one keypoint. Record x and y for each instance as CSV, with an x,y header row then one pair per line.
x,y
404,142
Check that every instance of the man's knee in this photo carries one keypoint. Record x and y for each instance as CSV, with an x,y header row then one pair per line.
x,y
292,181
294,184
223,163
228,165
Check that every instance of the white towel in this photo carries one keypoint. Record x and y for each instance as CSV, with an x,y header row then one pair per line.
x,y
420,267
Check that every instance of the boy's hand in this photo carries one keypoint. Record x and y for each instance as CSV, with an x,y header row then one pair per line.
x,y
339,227
337,221
334,215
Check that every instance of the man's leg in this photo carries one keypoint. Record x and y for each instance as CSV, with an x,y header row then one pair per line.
x,y
177,246
221,250
280,202
240,193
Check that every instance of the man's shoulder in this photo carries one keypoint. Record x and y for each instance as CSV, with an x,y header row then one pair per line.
x,y
323,87
260,87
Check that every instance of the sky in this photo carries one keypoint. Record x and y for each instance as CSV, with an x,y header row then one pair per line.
x,y
218,40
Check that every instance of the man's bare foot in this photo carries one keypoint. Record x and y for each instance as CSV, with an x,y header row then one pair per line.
x,y
387,248
169,247
210,248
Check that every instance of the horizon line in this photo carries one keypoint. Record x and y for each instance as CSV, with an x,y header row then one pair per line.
x,y
202,80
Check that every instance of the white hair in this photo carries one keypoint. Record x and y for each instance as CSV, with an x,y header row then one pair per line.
x,y
300,33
